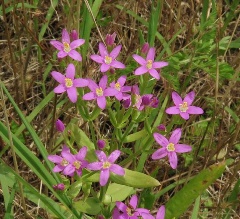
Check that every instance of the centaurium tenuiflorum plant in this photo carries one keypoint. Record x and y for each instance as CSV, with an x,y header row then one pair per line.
x,y
170,147
67,48
106,59
184,107
60,125
68,83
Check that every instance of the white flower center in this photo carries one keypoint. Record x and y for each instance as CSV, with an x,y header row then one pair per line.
x,y
149,64
99,92
183,107
66,47
170,147
108,60
118,86
68,82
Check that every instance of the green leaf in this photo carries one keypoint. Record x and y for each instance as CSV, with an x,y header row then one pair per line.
x,y
180,202
91,206
134,179
74,189
135,136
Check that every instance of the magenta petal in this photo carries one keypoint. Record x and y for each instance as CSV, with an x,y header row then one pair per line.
x,y
69,157
103,50
114,156
110,92
65,36
161,212
160,139
160,153
101,102
147,215
61,54
119,96
141,70
58,168
76,43
117,169
151,54
89,96
101,155
82,153
70,71
97,58
195,110
92,85
104,67
121,206
122,80
103,82
55,158
182,148
134,201
189,98
176,135
72,94
172,110
58,45
65,149
139,59
75,55
69,170
95,166
176,98
59,89
104,176
184,115
154,73
159,64
79,82
173,159
117,64
60,78
115,52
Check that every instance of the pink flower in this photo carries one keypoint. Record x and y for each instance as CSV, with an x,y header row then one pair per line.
x,y
68,83
131,211
66,48
149,64
170,147
120,88
183,107
149,100
107,60
110,39
161,212
106,165
99,92
60,126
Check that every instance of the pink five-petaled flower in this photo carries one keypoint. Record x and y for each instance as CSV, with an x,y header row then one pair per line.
x,y
121,89
107,60
68,83
60,161
76,162
99,92
170,147
106,165
148,64
66,48
183,107
131,211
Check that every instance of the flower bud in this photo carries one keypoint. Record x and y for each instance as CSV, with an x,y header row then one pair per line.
x,y
59,186
60,126
161,127
74,35
101,144
145,48
127,103
110,39
154,102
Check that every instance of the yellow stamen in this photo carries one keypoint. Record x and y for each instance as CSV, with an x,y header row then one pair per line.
x,y
99,92
108,60
66,47
149,64
170,147
183,107
77,164
64,162
106,165
118,86
68,82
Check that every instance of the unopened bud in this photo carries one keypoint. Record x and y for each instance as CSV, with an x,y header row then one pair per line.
x,y
101,144
59,186
60,126
145,48
74,35
161,127
110,39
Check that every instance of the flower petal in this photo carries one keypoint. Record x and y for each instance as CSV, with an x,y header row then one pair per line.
x,y
101,102
95,166
151,54
139,59
195,110
159,64
182,148
172,110
117,64
59,89
69,157
103,82
176,98
104,176
58,168
79,82
69,170
92,85
76,43
97,58
114,156
103,50
60,78
117,169
65,36
104,67
160,139
101,155
160,153
154,73
122,80
89,96
121,206
55,158
134,201
141,70
61,54
70,71
82,153
189,98
58,45
176,135
72,94
75,55
184,115
115,52
161,212
109,92
173,159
